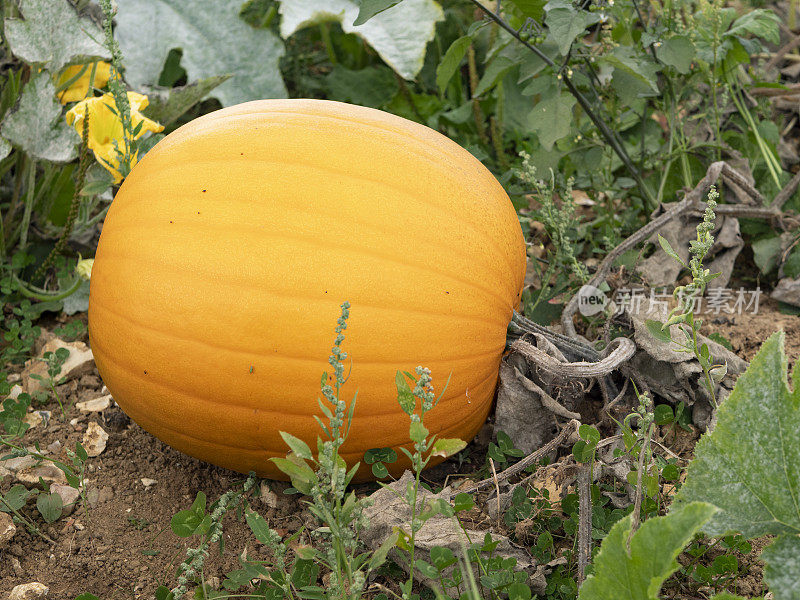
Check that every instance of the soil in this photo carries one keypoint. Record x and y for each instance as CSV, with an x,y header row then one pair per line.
x,y
122,546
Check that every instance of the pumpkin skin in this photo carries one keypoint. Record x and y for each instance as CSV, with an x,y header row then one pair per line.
x,y
228,250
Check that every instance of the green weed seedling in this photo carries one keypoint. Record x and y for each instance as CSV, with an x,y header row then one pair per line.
x,y
49,504
503,452
54,361
12,417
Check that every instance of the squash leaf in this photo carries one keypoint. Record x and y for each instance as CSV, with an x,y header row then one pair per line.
x,y
639,574
749,466
53,35
783,567
37,127
370,8
214,40
399,34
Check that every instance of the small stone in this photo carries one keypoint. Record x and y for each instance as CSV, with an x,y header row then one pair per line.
x,y
14,377
29,591
37,417
54,447
95,405
16,567
268,497
15,391
74,421
105,494
69,497
47,471
147,482
94,440
7,529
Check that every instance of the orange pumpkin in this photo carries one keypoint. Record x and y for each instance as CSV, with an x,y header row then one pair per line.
x,y
226,254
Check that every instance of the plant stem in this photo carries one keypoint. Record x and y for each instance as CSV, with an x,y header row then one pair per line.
x,y
325,34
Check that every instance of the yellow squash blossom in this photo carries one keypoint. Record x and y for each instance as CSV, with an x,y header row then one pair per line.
x,y
105,127
79,88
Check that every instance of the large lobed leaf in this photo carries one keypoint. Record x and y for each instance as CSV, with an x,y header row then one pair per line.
x,y
399,34
640,573
37,127
53,35
749,466
214,40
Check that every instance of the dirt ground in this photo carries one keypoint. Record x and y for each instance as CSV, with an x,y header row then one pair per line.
x,y
123,547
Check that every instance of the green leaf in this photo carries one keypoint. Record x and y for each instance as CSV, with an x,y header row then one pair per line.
x,y
427,569
663,414
399,35
379,556
749,466
166,106
462,502
37,126
666,247
87,596
447,447
638,575
300,474
53,36
258,525
783,567
658,330
451,60
417,432
372,86
533,9
638,66
766,253
405,397
15,498
582,451
370,8
214,41
589,434
494,73
791,268
551,118
379,470
677,52
442,557
761,23
298,446
49,506
566,23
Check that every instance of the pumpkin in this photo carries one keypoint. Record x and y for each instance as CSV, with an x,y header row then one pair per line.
x,y
226,254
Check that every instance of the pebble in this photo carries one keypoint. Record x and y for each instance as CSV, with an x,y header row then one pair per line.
x,y
29,591
15,391
7,529
94,405
94,440
54,447
25,470
16,567
69,497
147,482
